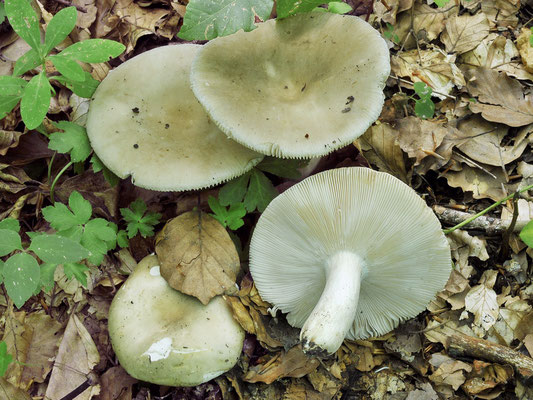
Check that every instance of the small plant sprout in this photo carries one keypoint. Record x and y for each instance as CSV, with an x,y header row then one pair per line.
x,y
138,220
163,336
145,122
390,34
348,253
302,94
424,106
35,95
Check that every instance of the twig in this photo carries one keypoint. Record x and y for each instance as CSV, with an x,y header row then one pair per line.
x,y
411,83
460,345
489,225
486,210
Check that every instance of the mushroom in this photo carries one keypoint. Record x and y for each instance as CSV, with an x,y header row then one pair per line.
x,y
348,253
144,121
168,338
300,87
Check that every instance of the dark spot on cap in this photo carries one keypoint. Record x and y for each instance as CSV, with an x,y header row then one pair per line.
x,y
307,136
167,126
347,109
135,110
135,146
350,99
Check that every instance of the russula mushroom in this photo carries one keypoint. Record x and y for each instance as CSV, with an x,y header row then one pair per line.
x,y
348,253
145,122
168,338
300,87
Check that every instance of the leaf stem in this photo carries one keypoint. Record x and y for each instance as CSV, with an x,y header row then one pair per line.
x,y
486,210
50,166
57,178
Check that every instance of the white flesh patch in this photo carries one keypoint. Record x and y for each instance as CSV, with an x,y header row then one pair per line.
x,y
159,350
155,271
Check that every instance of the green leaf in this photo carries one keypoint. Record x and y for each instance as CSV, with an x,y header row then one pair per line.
x,y
81,208
285,8
60,217
59,27
338,7
5,359
30,60
233,192
109,176
12,86
138,222
83,88
284,168
55,249
2,13
36,101
526,234
208,19
96,236
69,68
93,50
21,277
424,108
441,3
122,238
73,140
422,90
23,20
78,271
260,192
11,224
47,276
9,241
235,214
1,271
7,104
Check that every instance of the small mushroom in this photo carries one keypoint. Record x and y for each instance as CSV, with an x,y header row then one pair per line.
x,y
144,121
300,87
348,253
168,338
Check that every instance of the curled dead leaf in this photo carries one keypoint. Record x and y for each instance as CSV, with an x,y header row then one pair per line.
x,y
197,256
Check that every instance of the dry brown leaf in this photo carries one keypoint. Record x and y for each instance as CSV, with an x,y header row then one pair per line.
x,y
405,345
433,67
293,364
482,302
197,256
484,142
439,332
426,392
379,145
501,98
427,24
480,183
300,390
501,13
388,14
75,359
448,371
464,33
106,21
324,383
505,329
484,379
116,381
525,49
85,19
528,342
11,392
8,139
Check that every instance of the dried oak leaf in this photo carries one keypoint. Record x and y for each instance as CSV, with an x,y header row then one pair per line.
x,y
481,300
426,22
464,33
500,98
197,256
484,379
11,392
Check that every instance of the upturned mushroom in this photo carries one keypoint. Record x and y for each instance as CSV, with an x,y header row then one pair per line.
x,y
348,253
300,87
168,338
145,122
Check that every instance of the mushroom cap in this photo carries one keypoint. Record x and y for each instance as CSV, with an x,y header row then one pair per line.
x,y
406,256
165,337
144,121
299,87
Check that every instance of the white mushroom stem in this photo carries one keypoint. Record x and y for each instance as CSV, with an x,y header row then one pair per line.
x,y
333,316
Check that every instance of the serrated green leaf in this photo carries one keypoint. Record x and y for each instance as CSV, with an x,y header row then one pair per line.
x,y
12,86
138,222
30,60
78,271
83,88
11,224
21,277
80,207
233,192
23,20
94,50
122,239
284,8
220,212
138,207
9,241
73,140
96,235
424,108
208,19
284,168
47,276
526,234
5,358
109,176
55,249
235,214
60,217
59,27
338,7
35,101
68,68
260,192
